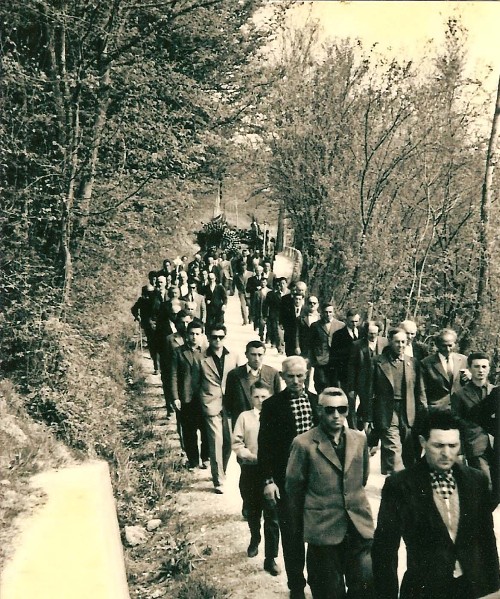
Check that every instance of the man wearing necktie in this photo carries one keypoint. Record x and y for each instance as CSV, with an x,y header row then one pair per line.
x,y
441,509
397,399
443,371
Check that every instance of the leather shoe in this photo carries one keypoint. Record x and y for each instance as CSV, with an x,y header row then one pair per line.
x,y
271,566
253,549
219,490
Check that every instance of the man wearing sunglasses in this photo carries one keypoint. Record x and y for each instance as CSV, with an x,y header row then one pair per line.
x,y
215,366
325,479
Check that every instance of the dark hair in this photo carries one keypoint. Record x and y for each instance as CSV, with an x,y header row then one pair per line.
x,y
259,385
352,312
477,355
194,324
218,326
394,331
438,419
181,314
255,344
152,275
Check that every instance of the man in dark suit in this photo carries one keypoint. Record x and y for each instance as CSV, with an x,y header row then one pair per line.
x,y
476,442
283,417
441,509
237,398
443,371
292,307
272,308
321,339
186,381
360,369
325,479
215,299
398,398
211,267
340,349
142,311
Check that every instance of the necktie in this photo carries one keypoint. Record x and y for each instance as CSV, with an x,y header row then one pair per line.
x,y
449,369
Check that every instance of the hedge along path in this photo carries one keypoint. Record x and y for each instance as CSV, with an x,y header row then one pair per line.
x,y
215,521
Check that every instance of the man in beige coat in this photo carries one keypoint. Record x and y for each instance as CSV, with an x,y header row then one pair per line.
x,y
325,478
215,365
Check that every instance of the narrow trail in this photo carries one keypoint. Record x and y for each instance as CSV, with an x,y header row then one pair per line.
x,y
216,524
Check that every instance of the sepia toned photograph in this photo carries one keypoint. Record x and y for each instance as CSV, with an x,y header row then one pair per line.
x,y
249,299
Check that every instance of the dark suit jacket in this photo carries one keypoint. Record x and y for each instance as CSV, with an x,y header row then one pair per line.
x,y
408,510
272,305
340,350
237,397
186,375
324,496
436,381
360,370
215,298
380,409
277,431
475,437
321,341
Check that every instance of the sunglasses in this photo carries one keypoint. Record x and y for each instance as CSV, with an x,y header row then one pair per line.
x,y
217,336
342,410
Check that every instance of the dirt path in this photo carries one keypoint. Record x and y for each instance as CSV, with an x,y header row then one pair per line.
x,y
215,521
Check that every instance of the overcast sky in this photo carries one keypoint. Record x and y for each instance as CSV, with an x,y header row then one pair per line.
x,y
404,27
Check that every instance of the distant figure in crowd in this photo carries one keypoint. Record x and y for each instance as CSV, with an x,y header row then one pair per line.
x,y
441,509
283,417
142,312
245,439
325,479
443,371
398,398
321,339
215,299
414,349
340,351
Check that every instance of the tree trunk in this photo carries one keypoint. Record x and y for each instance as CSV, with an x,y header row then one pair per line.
x,y
484,231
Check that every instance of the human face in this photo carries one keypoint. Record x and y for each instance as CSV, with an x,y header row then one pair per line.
x,y
194,337
211,278
328,314
185,320
313,303
216,339
480,370
445,345
331,418
352,322
175,293
398,343
282,285
411,332
258,397
372,332
295,377
441,449
255,356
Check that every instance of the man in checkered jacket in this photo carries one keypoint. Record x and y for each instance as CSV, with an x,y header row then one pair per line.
x,y
283,417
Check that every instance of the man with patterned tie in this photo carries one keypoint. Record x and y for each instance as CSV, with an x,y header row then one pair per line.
x,y
441,509
283,417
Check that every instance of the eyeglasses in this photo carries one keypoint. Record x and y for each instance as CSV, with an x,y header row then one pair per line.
x,y
217,336
342,410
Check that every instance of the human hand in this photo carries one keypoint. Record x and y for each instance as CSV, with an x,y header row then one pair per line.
x,y
177,404
271,493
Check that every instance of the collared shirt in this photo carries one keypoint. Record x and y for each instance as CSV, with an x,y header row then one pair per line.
x,y
353,333
254,373
480,391
339,446
219,361
447,501
302,413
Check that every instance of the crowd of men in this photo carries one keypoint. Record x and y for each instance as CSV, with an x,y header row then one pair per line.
x,y
304,456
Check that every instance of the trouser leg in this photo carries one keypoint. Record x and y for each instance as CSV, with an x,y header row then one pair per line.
x,y
189,425
293,546
215,442
325,571
391,458
358,565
